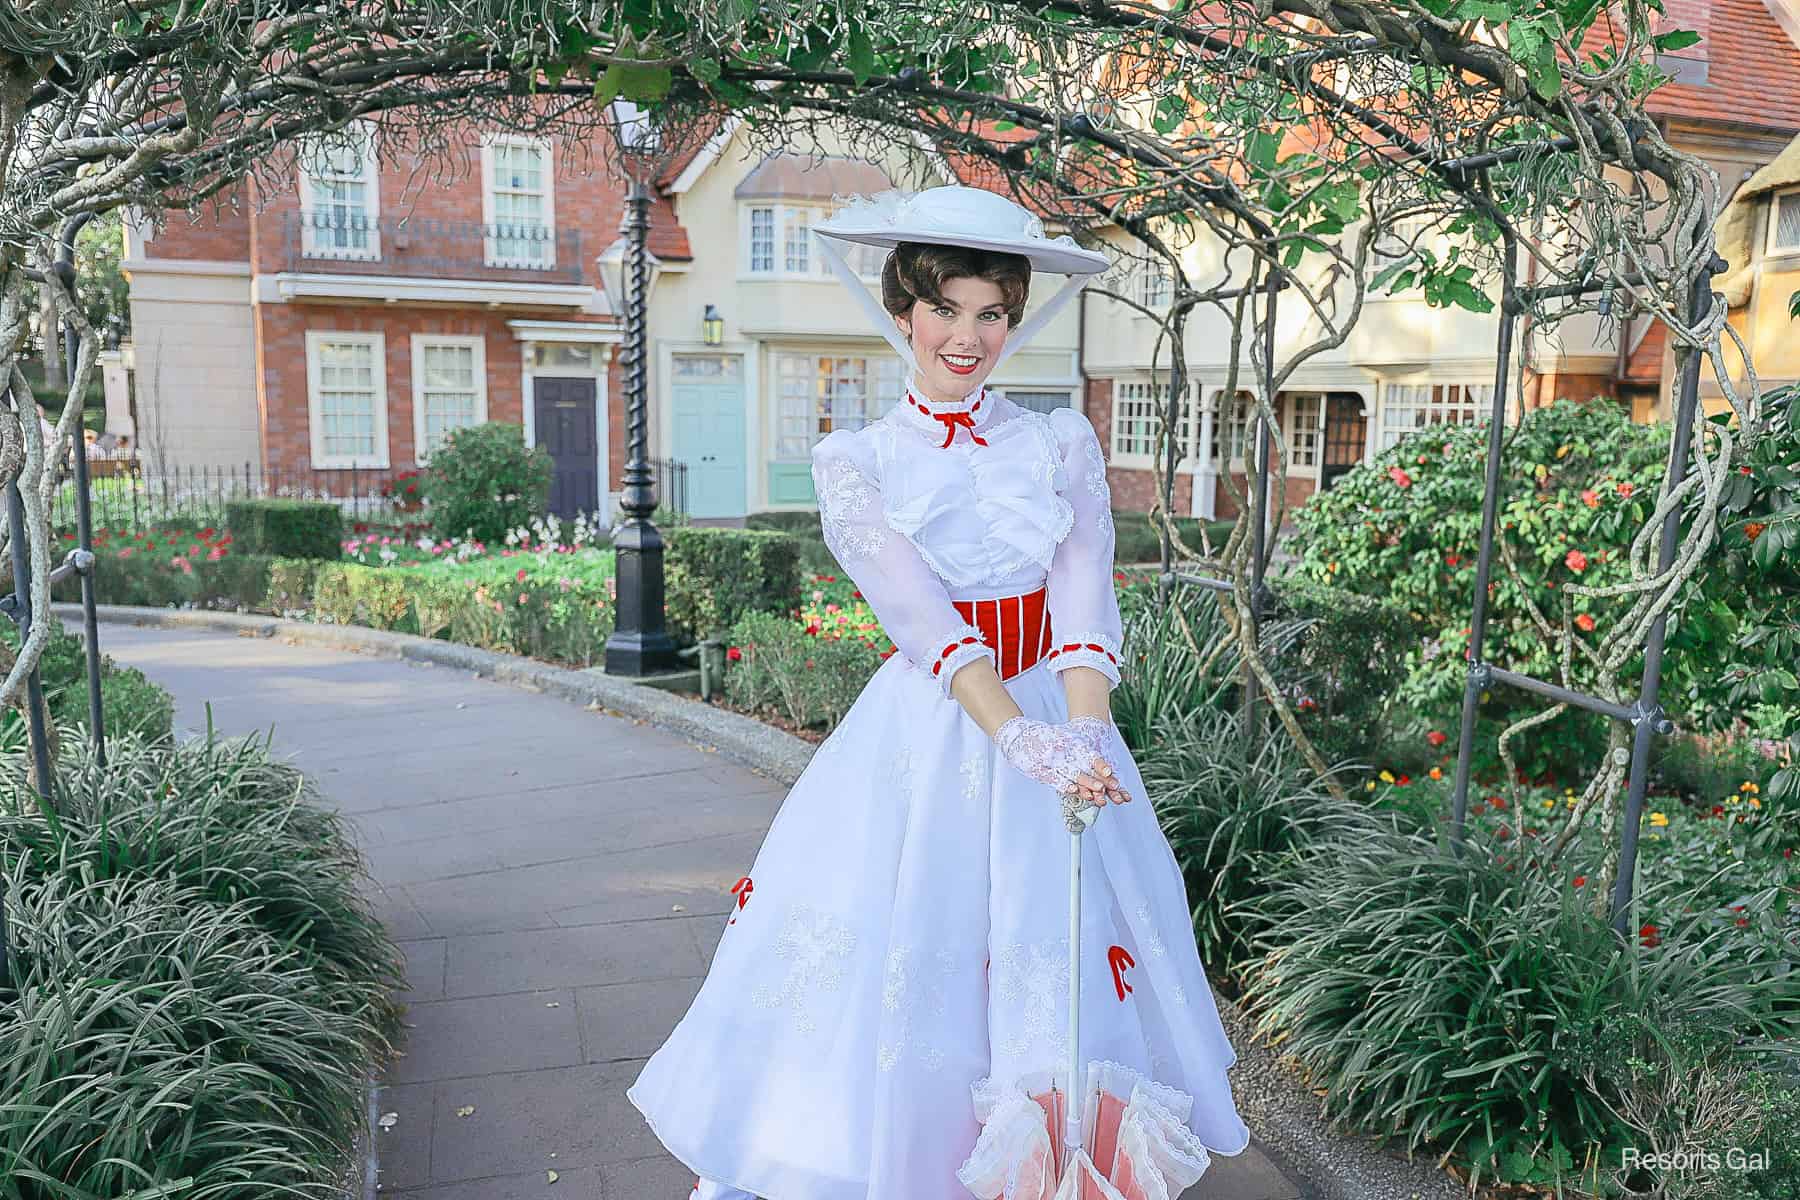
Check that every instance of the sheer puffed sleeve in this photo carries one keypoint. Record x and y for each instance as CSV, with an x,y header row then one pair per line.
x,y
906,594
1084,607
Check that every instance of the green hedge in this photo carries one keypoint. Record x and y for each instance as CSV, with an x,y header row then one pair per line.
x,y
130,703
199,990
236,581
1136,540
286,528
713,576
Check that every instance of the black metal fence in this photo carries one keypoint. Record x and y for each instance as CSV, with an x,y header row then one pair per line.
x,y
133,493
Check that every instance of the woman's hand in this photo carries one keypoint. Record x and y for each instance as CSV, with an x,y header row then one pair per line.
x,y
1065,757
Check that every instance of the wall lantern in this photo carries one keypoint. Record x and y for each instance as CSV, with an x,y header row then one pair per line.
x,y
712,327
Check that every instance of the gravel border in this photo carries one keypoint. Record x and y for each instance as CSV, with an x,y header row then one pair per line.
x,y
1281,1111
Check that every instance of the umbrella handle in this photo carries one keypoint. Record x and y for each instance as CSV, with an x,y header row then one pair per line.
x,y
1071,1114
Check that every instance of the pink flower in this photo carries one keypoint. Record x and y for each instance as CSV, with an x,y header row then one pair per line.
x,y
1625,489
1575,560
1400,477
521,575
1591,498
1585,623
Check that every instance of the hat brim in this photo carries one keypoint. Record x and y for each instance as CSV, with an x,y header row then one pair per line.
x,y
1043,256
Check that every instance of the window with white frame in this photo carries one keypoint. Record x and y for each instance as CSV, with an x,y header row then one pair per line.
x,y
1156,284
1137,412
340,210
1395,254
518,202
1784,224
817,393
1305,413
449,377
778,243
1406,407
1231,427
346,385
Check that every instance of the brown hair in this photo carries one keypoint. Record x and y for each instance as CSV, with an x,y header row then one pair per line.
x,y
918,271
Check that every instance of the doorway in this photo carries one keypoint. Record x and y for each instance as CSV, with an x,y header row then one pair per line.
x,y
1346,433
707,407
563,412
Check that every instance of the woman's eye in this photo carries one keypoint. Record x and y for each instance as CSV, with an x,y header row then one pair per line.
x,y
990,317
942,311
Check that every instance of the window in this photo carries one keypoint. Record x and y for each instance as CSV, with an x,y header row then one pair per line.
x,y
346,386
1155,284
518,204
1231,430
1784,224
818,393
1408,407
1304,410
762,240
449,377
340,196
1137,412
1394,254
778,243
796,225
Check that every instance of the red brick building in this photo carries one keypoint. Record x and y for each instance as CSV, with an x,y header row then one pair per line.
x,y
328,331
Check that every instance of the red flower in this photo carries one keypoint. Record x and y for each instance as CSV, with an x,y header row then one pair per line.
x,y
1591,498
521,575
1450,560
1575,560
813,629
1744,471
1718,810
856,595
1625,489
1403,780
1649,936
1497,801
1753,530
1400,478
1437,737
829,578
1503,832
733,654
1585,623
1579,880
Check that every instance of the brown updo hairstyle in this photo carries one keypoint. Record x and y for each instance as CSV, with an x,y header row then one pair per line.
x,y
918,271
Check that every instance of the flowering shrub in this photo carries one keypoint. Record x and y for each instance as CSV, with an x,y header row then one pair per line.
x,y
484,480
405,489
802,672
1579,480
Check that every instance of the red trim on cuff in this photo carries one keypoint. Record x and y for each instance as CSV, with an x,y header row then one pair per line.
x,y
1063,649
951,649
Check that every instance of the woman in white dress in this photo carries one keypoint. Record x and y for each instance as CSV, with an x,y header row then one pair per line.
x,y
902,936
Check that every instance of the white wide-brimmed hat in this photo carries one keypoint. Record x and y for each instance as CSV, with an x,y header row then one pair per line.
x,y
954,216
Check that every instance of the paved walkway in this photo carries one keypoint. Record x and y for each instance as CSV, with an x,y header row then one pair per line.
x,y
558,880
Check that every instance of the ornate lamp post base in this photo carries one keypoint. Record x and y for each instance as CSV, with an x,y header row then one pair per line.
x,y
640,645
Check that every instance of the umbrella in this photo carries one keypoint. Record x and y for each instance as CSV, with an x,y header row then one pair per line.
x,y
1128,1139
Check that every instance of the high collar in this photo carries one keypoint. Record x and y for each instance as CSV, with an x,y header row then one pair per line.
x,y
962,422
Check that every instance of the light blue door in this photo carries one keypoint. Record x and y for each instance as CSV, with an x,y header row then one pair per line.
x,y
708,409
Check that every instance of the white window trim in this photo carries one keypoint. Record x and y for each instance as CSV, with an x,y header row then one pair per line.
x,y
1190,421
488,255
1222,416
420,341
320,461
1483,406
371,165
1772,248
1291,431
816,269
874,398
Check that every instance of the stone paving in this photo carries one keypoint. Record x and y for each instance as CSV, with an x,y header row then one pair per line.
x,y
558,879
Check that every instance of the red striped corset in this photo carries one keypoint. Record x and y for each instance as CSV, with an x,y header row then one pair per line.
x,y
1017,628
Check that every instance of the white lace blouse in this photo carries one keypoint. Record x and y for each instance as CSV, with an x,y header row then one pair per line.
x,y
934,503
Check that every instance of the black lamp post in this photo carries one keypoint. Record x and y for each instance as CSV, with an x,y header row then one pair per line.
x,y
640,644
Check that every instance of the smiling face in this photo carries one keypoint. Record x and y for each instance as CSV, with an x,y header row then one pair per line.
x,y
958,338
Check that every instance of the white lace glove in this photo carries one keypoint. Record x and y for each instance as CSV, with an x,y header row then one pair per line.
x,y
1056,755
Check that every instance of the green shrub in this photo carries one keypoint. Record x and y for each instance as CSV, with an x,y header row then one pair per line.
x,y
804,522
713,576
130,703
484,481
286,528
1229,815
774,664
1342,667
182,897
291,584
1579,479
1181,659
1456,1000
1136,540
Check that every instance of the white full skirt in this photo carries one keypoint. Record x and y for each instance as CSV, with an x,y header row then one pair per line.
x,y
907,934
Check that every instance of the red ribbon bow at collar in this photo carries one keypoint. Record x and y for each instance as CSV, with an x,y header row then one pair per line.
x,y
953,420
